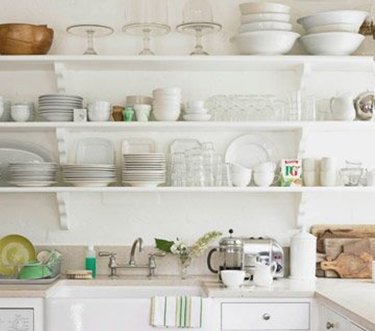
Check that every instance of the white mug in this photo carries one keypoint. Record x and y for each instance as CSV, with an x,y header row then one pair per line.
x,y
263,274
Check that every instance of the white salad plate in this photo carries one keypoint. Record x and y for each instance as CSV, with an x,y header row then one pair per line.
x,y
95,151
250,150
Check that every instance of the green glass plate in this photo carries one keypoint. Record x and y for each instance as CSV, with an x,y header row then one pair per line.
x,y
15,250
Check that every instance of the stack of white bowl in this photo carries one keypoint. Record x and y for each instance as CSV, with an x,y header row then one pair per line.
x,y
195,111
333,32
167,103
265,29
264,174
240,175
33,174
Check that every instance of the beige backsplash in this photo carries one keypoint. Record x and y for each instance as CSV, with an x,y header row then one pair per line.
x,y
74,258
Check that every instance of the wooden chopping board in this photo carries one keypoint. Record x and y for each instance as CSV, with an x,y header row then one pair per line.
x,y
350,265
333,247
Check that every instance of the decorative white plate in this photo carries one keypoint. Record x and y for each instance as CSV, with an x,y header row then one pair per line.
x,y
95,151
138,145
250,150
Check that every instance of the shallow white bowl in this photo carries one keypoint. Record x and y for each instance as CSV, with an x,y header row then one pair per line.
x,y
278,17
166,116
332,43
263,7
339,27
355,17
241,179
266,42
266,25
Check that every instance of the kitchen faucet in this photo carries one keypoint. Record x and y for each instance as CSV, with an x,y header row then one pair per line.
x,y
113,265
132,253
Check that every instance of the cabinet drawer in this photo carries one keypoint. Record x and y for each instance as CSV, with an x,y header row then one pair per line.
x,y
265,316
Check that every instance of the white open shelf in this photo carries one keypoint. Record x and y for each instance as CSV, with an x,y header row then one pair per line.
x,y
187,63
188,126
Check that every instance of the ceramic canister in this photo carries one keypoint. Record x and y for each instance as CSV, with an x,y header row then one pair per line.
x,y
303,256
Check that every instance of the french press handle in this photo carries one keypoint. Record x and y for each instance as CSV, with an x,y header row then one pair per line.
x,y
209,261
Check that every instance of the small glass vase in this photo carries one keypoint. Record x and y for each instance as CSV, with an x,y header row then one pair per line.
x,y
185,262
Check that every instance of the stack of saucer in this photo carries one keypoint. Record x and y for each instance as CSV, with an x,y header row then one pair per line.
x,y
144,169
167,104
29,174
195,111
89,175
59,107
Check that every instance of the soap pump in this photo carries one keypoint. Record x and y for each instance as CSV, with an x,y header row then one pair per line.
x,y
90,261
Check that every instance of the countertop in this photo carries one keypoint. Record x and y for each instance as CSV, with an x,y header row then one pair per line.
x,y
354,298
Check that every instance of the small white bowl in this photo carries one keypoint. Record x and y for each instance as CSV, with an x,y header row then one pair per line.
x,y
235,167
166,116
241,179
332,43
268,25
263,7
232,279
356,17
264,178
196,111
266,42
338,27
278,17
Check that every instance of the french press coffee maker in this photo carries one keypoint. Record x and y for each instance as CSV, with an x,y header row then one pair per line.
x,y
230,252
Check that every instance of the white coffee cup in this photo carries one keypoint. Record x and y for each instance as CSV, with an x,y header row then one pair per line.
x,y
264,178
20,112
328,164
328,178
232,279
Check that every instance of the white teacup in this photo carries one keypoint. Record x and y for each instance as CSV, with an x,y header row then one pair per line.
x,y
232,279
264,178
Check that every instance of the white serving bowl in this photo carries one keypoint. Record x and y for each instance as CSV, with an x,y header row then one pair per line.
x,y
263,7
355,17
241,179
338,27
266,42
278,17
266,25
332,43
232,278
166,116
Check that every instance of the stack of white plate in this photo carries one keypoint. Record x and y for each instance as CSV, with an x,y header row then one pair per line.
x,y
265,29
144,169
89,175
32,174
333,32
59,107
167,103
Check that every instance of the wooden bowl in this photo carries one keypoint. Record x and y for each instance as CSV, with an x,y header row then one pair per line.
x,y
25,39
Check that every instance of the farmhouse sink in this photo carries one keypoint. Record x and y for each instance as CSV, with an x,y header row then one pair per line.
x,y
98,306
123,291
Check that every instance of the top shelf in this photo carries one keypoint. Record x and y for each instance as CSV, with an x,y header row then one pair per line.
x,y
187,63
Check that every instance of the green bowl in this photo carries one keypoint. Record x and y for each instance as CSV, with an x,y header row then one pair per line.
x,y
34,271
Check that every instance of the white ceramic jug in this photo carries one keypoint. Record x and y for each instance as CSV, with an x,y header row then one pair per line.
x,y
342,107
263,274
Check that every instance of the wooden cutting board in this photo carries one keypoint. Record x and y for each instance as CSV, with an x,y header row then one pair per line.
x,y
333,247
350,265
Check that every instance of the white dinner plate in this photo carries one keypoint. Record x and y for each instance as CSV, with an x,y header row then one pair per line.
x,y
250,150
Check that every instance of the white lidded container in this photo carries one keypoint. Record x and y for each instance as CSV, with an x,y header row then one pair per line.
x,y
303,256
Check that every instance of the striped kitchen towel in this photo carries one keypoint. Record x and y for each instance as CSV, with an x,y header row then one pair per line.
x,y
176,312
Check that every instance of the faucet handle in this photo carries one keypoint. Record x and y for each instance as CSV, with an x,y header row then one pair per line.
x,y
106,254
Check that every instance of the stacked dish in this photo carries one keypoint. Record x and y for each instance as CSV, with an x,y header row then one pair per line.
x,y
144,169
89,175
195,111
32,174
167,104
333,32
265,29
59,107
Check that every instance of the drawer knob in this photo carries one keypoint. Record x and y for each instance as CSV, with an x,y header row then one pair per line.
x,y
330,325
266,316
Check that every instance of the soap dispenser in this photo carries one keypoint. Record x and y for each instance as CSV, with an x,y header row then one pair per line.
x,y
90,261
303,256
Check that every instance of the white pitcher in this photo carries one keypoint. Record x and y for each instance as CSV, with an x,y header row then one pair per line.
x,y
342,107
263,274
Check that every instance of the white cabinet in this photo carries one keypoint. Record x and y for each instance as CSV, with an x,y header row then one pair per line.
x,y
353,327
331,320
265,316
